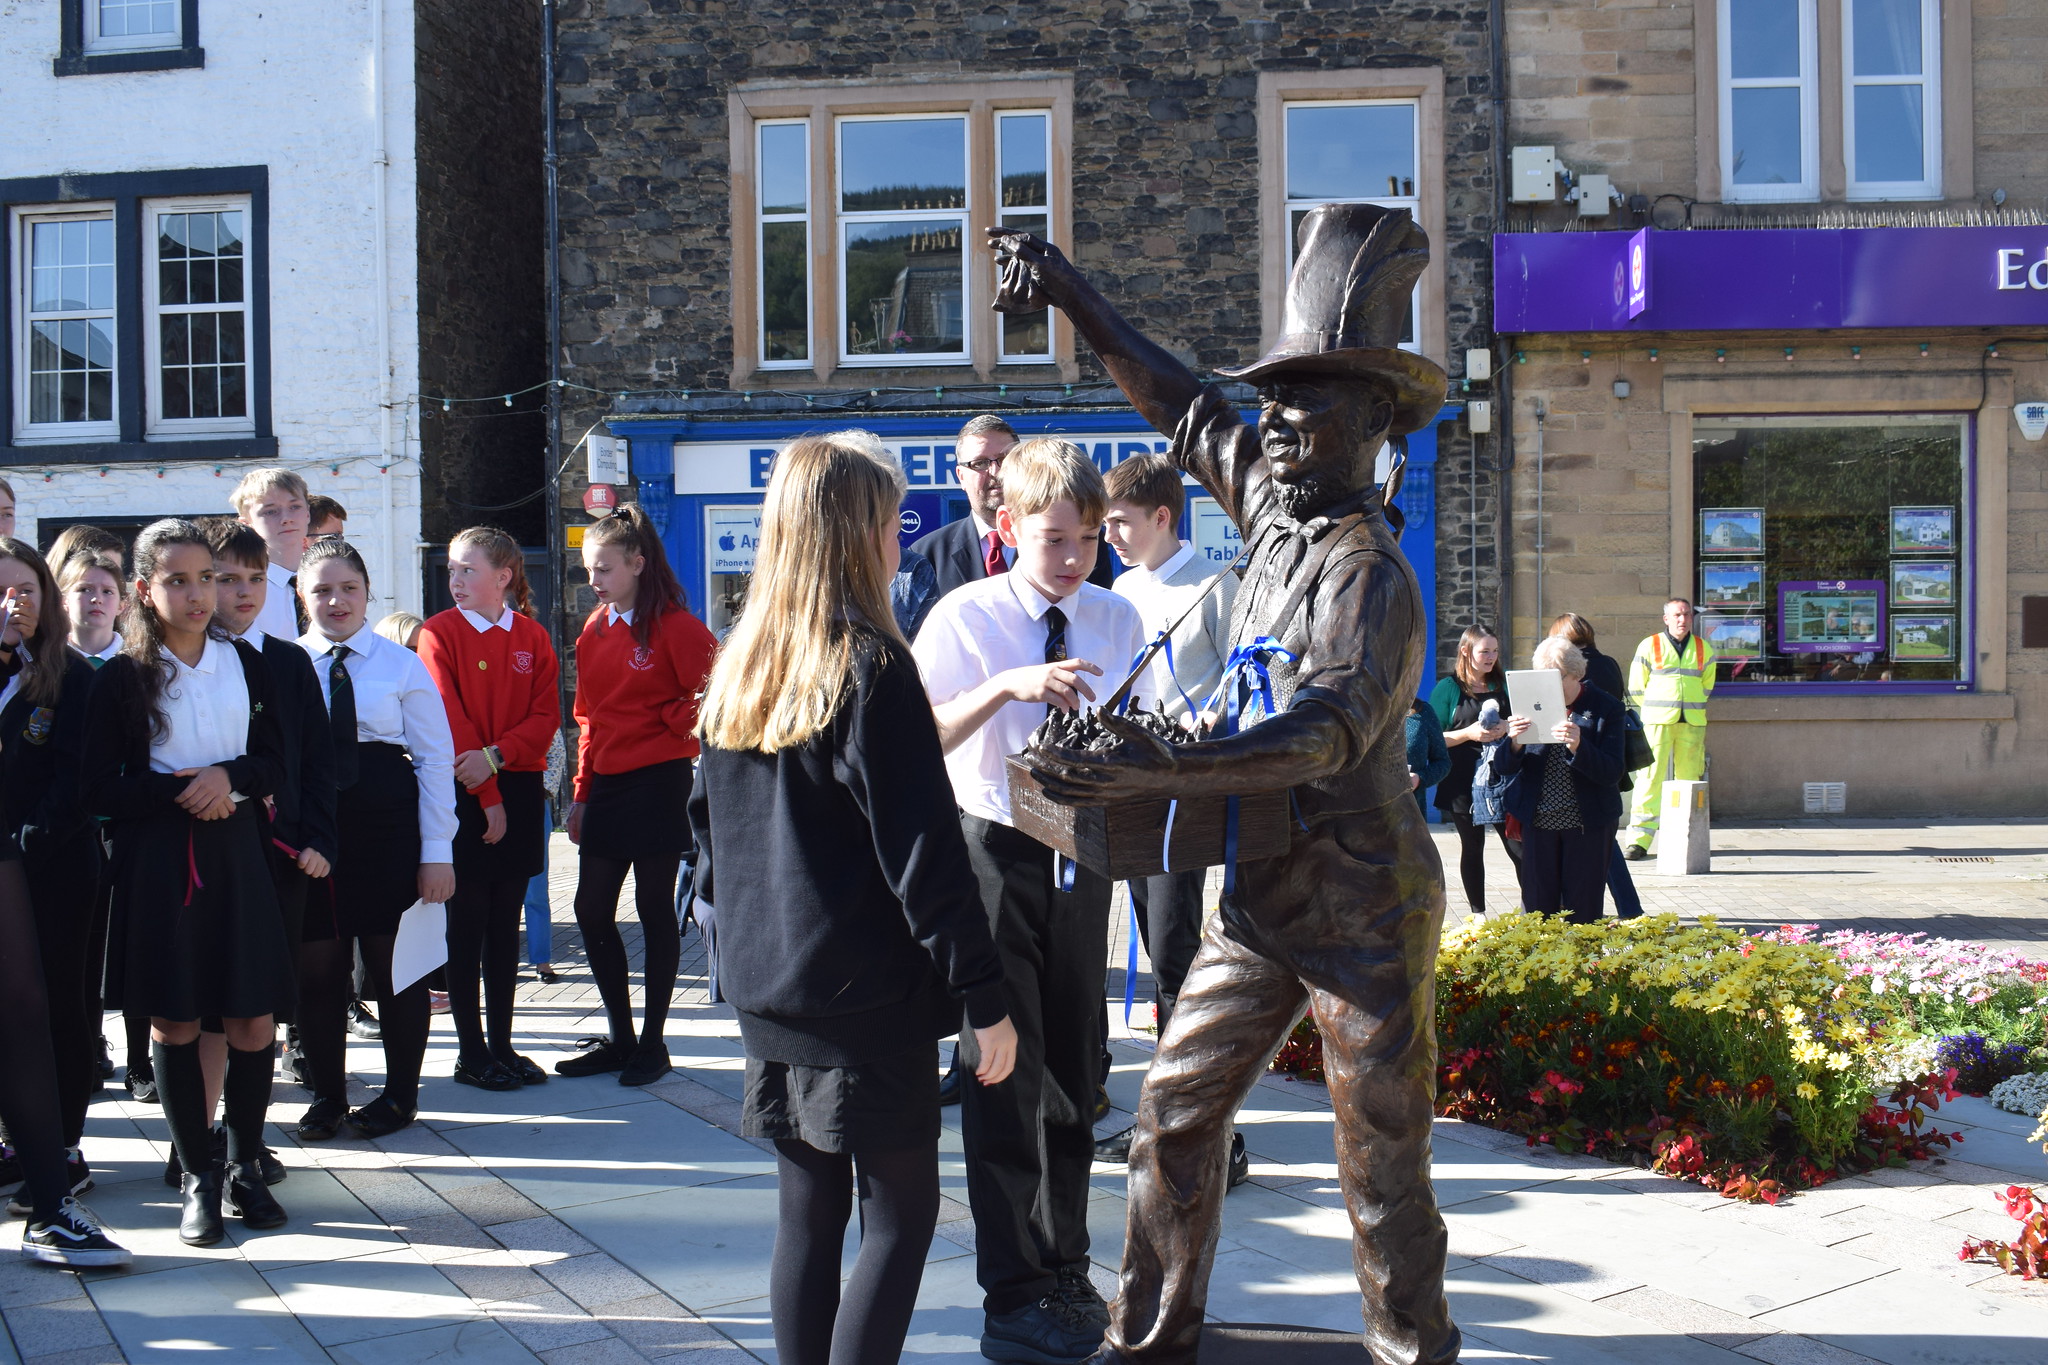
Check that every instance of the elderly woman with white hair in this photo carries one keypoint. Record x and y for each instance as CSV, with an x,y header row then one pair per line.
x,y
1563,788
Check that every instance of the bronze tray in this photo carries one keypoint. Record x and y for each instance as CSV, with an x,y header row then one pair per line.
x,y
1129,840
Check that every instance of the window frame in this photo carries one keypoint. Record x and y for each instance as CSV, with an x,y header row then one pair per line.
x,y
1411,202
97,43
20,224
156,426
1808,85
979,99
844,219
81,52
1003,214
761,220
1930,83
129,192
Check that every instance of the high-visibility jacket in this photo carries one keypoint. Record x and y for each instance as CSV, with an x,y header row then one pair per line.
x,y
1670,686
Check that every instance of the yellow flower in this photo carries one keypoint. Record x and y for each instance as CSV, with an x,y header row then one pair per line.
x,y
1840,1061
1808,1053
1807,1091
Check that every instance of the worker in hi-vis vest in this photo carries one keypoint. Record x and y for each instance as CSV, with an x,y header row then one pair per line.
x,y
1668,684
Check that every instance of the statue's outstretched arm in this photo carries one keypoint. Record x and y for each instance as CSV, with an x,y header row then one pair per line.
x,y
1306,742
1034,274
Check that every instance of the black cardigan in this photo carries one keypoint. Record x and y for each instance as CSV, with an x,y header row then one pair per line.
x,y
117,781
40,752
305,791
1596,767
850,924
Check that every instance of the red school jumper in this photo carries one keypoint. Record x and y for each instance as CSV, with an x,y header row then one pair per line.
x,y
636,705
499,687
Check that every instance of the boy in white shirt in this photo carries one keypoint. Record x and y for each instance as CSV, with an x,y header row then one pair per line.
x,y
1163,577
997,655
275,503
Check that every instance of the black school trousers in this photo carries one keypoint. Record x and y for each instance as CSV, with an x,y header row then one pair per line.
x,y
1030,1140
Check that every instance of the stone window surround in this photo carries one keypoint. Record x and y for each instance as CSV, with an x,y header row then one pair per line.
x,y
1277,89
1984,400
980,98
127,191
73,60
1958,167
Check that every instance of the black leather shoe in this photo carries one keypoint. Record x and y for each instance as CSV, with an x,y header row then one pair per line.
x,y
362,1023
106,1063
1102,1105
548,975
951,1084
199,1222
273,1169
247,1196
650,1062
486,1075
594,1057
379,1118
1049,1332
1115,1149
1240,1162
527,1070
322,1121
1636,853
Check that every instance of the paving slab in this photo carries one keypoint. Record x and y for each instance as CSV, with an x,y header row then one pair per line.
x,y
227,1307
641,1147
1904,1318
370,1296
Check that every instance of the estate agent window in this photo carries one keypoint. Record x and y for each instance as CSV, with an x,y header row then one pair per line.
x,y
866,230
1834,551
133,318
1780,59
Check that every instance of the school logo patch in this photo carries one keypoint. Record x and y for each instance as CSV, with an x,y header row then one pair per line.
x,y
41,721
522,661
642,658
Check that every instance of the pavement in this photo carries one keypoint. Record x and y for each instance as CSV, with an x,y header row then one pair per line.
x,y
582,1223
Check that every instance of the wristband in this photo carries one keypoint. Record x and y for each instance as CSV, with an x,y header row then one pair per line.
x,y
491,757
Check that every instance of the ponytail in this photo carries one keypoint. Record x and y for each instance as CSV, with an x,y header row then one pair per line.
x,y
504,553
659,593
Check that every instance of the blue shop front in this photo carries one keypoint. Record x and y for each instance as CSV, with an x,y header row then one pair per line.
x,y
701,480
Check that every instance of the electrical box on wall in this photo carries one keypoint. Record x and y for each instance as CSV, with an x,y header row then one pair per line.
x,y
1534,175
1479,416
1479,365
1595,196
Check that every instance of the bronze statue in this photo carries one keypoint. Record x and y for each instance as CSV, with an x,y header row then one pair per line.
x,y
1346,923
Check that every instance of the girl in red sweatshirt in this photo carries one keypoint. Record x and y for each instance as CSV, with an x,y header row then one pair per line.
x,y
640,667
497,673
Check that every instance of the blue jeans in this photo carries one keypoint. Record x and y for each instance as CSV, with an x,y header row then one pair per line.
x,y
540,933
1622,886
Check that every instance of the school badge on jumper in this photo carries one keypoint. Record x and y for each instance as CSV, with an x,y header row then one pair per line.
x,y
522,661
642,658
41,721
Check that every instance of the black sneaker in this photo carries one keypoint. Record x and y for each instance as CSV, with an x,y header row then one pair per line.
x,y
594,1057
1049,1332
650,1062
106,1063
1115,1149
75,1237
362,1023
951,1084
1240,1161
141,1082
1078,1292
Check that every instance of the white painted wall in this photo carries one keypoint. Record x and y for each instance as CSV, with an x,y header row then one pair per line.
x,y
287,84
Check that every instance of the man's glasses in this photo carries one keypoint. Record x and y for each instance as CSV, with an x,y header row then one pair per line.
x,y
984,464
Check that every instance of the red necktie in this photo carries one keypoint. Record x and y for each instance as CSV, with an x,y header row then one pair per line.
x,y
992,554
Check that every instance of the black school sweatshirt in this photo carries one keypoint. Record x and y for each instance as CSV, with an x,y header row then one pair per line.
x,y
849,923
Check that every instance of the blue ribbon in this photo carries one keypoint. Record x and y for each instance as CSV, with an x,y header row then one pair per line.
x,y
1131,963
1165,645
1246,677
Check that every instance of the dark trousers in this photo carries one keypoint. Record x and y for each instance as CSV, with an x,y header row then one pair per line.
x,y
1169,910
1565,869
1029,1141
1621,884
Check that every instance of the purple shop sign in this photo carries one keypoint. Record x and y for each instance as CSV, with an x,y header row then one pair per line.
x,y
1831,616
1776,280
1638,273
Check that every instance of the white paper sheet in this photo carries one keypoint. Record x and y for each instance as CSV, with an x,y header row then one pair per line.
x,y
421,945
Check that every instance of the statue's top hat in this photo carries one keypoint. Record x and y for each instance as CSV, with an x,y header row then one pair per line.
x,y
1355,267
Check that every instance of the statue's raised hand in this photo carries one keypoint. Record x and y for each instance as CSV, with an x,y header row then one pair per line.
x,y
1031,273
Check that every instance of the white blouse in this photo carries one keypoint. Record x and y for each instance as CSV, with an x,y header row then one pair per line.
x,y
206,711
397,703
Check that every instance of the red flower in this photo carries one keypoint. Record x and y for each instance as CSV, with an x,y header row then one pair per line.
x,y
1580,1054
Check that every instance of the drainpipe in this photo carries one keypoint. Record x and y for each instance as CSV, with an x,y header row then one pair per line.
x,y
1503,366
380,162
556,577
1541,413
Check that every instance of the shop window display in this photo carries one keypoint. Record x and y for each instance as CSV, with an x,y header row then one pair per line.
x,y
1833,550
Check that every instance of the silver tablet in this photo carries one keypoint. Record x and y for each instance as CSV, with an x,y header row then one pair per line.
x,y
1537,693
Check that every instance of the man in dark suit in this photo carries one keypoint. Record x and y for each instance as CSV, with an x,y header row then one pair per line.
x,y
968,549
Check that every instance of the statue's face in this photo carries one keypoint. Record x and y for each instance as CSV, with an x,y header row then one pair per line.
x,y
1320,438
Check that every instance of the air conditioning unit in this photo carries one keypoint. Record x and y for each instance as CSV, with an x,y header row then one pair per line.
x,y
1826,798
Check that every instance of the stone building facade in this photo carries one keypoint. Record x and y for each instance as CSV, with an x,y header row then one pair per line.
x,y
374,202
1832,371
1166,161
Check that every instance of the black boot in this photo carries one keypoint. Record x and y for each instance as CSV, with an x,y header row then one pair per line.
x,y
248,1197
182,1089
200,1225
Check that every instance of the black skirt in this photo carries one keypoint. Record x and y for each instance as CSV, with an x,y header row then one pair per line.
x,y
644,813
194,928
522,853
377,873
878,1106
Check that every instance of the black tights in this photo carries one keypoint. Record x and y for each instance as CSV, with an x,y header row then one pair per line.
x,y
1472,858
899,1206
483,933
28,1066
597,916
64,919
327,985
